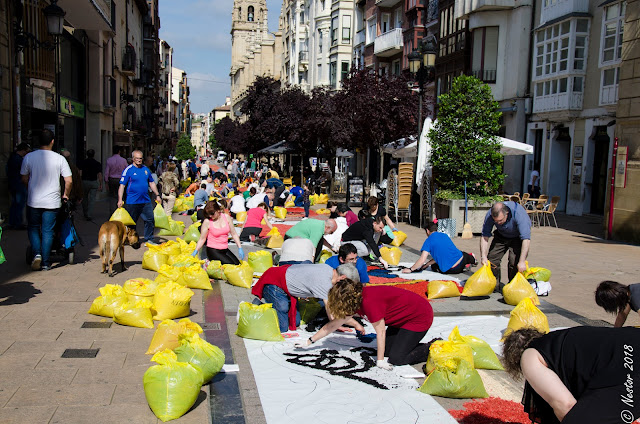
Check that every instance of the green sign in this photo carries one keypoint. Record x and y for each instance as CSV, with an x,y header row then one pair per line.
x,y
71,107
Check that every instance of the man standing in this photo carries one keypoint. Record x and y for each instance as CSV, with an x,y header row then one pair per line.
x,y
41,171
16,188
204,170
513,234
534,184
91,172
138,180
112,173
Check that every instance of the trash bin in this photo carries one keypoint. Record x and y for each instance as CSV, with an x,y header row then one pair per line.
x,y
355,191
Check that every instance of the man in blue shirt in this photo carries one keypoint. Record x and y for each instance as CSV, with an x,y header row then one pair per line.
x,y
445,256
138,180
200,197
512,234
349,254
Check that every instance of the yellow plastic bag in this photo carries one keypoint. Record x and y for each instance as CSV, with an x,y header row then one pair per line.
x,y
290,204
168,273
540,274
194,217
123,216
309,309
461,382
196,277
323,211
322,199
239,275
214,270
171,387
517,289
260,261
280,212
313,199
139,289
481,283
183,260
275,241
446,353
258,322
186,248
203,356
483,356
400,237
169,248
324,256
166,336
154,258
176,229
188,202
526,314
111,296
241,216
160,219
391,254
273,232
193,233
136,314
177,206
438,289
171,301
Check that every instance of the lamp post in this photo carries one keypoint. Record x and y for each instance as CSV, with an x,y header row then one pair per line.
x,y
55,25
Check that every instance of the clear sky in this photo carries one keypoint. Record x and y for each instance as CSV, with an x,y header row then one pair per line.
x,y
199,32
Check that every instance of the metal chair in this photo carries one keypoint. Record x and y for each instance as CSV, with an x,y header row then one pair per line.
x,y
549,210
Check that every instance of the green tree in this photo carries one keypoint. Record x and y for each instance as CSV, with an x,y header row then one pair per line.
x,y
184,148
464,141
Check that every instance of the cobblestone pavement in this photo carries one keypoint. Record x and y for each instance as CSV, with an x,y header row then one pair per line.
x,y
42,314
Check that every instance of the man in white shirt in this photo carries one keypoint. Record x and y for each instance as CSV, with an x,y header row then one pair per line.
x,y
41,171
534,184
237,204
204,170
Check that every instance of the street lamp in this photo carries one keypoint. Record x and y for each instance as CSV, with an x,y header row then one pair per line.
x,y
55,18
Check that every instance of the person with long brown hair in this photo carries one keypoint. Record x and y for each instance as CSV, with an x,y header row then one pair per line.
x,y
576,375
215,231
400,318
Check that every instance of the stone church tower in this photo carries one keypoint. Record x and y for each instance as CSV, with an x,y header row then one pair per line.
x,y
254,51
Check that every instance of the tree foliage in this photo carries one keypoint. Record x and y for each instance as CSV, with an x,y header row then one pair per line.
x,y
229,136
464,141
184,148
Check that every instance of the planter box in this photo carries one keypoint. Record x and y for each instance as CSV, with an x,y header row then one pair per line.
x,y
455,209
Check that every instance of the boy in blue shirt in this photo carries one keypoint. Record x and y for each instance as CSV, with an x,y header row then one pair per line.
x,y
349,254
446,257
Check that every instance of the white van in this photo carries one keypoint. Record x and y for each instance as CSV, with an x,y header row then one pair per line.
x,y
222,155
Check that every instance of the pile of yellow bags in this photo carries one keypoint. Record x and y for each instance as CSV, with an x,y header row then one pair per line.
x,y
481,283
391,254
275,239
322,199
260,261
239,275
518,289
192,276
176,228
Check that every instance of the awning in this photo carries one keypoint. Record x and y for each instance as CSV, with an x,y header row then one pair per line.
x,y
514,148
341,153
279,148
402,148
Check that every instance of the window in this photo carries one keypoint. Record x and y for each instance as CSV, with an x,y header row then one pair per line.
x,y
398,20
552,49
610,77
371,30
250,14
334,30
302,17
319,75
485,53
612,31
385,23
346,29
332,74
395,67
319,41
344,70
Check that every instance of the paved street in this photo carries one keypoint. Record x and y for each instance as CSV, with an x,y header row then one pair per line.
x,y
42,314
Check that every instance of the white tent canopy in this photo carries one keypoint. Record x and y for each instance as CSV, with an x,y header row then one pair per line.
x,y
514,148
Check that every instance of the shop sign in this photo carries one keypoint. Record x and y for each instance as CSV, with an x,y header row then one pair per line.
x,y
71,107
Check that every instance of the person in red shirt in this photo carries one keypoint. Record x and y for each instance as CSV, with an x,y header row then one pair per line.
x,y
407,315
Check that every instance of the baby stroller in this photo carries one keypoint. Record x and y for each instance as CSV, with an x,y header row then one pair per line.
x,y
65,237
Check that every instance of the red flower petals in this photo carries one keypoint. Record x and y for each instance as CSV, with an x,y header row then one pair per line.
x,y
491,411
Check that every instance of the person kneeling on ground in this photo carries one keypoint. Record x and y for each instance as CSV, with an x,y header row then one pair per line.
x,y
446,257
283,285
406,315
314,230
618,299
215,231
576,375
297,250
362,235
253,223
349,254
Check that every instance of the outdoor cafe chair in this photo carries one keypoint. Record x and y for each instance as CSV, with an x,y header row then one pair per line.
x,y
549,210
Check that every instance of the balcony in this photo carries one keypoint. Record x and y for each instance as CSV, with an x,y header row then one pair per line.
x,y
129,61
303,57
464,8
486,75
389,43
360,38
557,102
552,9
609,95
387,3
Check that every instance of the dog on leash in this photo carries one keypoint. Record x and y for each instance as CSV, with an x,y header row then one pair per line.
x,y
114,235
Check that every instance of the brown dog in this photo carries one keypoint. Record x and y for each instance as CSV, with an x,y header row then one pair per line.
x,y
114,235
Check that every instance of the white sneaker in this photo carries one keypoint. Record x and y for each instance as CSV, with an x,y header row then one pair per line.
x,y
35,264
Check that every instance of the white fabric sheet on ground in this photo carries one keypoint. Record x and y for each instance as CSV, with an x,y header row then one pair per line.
x,y
291,392
424,275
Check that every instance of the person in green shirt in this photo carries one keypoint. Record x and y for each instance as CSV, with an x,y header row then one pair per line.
x,y
314,230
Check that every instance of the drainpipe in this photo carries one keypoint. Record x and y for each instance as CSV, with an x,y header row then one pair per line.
x,y
527,117
613,188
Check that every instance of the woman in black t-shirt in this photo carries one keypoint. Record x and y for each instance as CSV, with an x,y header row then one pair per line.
x,y
618,299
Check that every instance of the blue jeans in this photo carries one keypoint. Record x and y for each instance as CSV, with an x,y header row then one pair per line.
x,y
281,303
298,202
41,230
307,205
18,202
144,210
